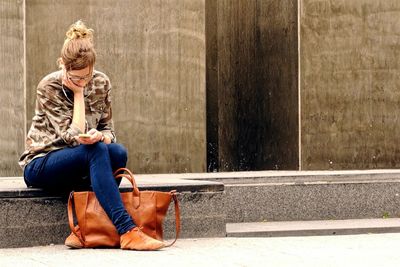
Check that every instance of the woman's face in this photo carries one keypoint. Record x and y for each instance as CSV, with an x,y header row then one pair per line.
x,y
80,77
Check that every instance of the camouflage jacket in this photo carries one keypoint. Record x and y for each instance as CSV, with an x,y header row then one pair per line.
x,y
52,126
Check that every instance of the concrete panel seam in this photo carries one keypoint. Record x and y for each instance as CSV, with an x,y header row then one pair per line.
x,y
299,77
24,67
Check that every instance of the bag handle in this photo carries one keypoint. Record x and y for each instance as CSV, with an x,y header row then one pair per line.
x,y
71,218
177,217
129,177
132,180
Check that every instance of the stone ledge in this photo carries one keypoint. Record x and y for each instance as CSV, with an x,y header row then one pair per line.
x,y
203,182
314,228
312,201
15,186
298,177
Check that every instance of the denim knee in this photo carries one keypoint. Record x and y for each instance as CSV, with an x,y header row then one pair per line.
x,y
118,154
98,147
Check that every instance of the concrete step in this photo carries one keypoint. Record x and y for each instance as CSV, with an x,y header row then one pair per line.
x,y
32,217
313,228
307,195
291,196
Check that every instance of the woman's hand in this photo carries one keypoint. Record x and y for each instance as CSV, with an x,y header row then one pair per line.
x,y
95,136
74,88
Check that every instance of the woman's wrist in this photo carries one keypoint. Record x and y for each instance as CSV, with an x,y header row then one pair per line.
x,y
105,138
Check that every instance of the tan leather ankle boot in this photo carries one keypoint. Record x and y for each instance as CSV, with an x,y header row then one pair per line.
x,y
137,240
73,241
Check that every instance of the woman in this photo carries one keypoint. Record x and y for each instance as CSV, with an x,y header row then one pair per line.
x,y
60,156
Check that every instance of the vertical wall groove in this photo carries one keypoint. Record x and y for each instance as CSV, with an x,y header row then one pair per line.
x,y
299,79
24,64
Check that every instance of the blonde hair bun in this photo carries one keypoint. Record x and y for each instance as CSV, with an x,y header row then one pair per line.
x,y
79,30
78,50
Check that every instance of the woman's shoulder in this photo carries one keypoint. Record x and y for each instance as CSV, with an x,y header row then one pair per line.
x,y
101,76
100,79
50,81
56,75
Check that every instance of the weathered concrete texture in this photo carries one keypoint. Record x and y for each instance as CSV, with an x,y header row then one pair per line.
x,y
312,201
12,113
252,96
277,82
45,34
349,84
154,54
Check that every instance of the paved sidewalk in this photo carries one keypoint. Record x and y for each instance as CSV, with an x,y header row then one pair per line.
x,y
322,251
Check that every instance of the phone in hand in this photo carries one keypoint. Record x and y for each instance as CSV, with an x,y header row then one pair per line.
x,y
84,136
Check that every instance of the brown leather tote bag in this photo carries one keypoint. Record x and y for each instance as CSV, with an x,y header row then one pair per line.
x,y
147,208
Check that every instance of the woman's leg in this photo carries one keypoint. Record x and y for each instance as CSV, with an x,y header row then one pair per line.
x,y
118,156
62,169
105,186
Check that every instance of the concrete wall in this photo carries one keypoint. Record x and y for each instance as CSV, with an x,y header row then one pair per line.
x,y
154,54
252,85
350,112
12,106
348,94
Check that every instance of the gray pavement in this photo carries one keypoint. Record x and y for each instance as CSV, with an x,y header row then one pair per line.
x,y
321,251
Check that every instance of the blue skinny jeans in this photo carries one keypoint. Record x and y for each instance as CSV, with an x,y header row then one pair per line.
x,y
84,167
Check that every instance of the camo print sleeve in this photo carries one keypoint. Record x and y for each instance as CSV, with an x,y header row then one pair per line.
x,y
98,105
106,125
55,116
